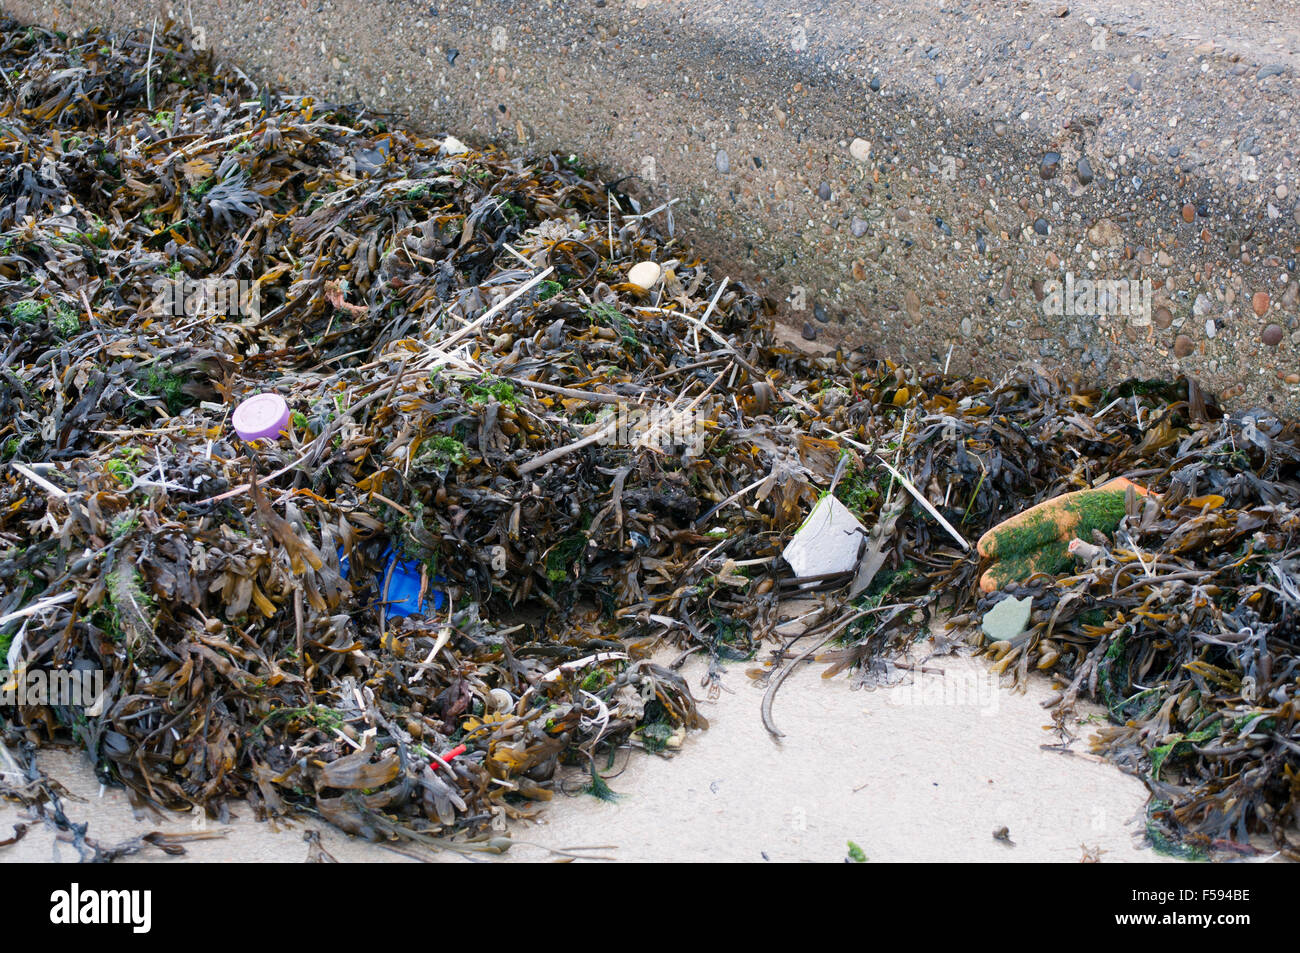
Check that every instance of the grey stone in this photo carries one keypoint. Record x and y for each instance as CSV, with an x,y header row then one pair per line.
x,y
1007,619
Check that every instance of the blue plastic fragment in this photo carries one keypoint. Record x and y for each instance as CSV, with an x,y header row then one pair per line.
x,y
403,595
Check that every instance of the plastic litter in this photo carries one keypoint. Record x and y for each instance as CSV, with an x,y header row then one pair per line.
x,y
262,417
828,542
401,597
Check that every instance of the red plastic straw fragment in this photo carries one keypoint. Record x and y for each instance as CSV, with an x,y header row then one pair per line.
x,y
455,752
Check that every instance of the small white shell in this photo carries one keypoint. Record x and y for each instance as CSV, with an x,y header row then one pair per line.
x,y
644,274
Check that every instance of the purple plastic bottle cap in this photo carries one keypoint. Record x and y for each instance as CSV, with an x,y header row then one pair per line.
x,y
263,417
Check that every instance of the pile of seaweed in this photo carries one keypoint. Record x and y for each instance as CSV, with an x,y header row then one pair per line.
x,y
574,470
1183,622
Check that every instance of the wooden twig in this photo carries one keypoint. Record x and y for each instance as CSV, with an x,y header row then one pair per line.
x,y
929,507
593,397
456,336
148,67
39,480
567,449
39,606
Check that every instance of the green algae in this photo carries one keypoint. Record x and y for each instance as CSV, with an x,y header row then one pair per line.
x,y
1039,533
1052,557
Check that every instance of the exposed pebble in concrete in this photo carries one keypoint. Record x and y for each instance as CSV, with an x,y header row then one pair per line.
x,y
912,302
722,161
1105,234
1272,335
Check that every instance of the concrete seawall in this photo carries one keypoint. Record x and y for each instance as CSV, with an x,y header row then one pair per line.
x,y
1097,190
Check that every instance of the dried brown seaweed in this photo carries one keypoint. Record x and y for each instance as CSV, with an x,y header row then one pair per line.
x,y
573,467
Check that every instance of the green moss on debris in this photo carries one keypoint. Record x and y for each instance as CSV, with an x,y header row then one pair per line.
x,y
1100,510
1096,510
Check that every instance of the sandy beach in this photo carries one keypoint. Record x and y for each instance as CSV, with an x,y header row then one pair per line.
x,y
924,770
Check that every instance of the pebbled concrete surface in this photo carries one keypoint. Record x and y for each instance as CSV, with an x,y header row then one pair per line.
x,y
999,147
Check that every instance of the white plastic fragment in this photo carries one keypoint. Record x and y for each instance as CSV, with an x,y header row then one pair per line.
x,y
828,542
451,146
